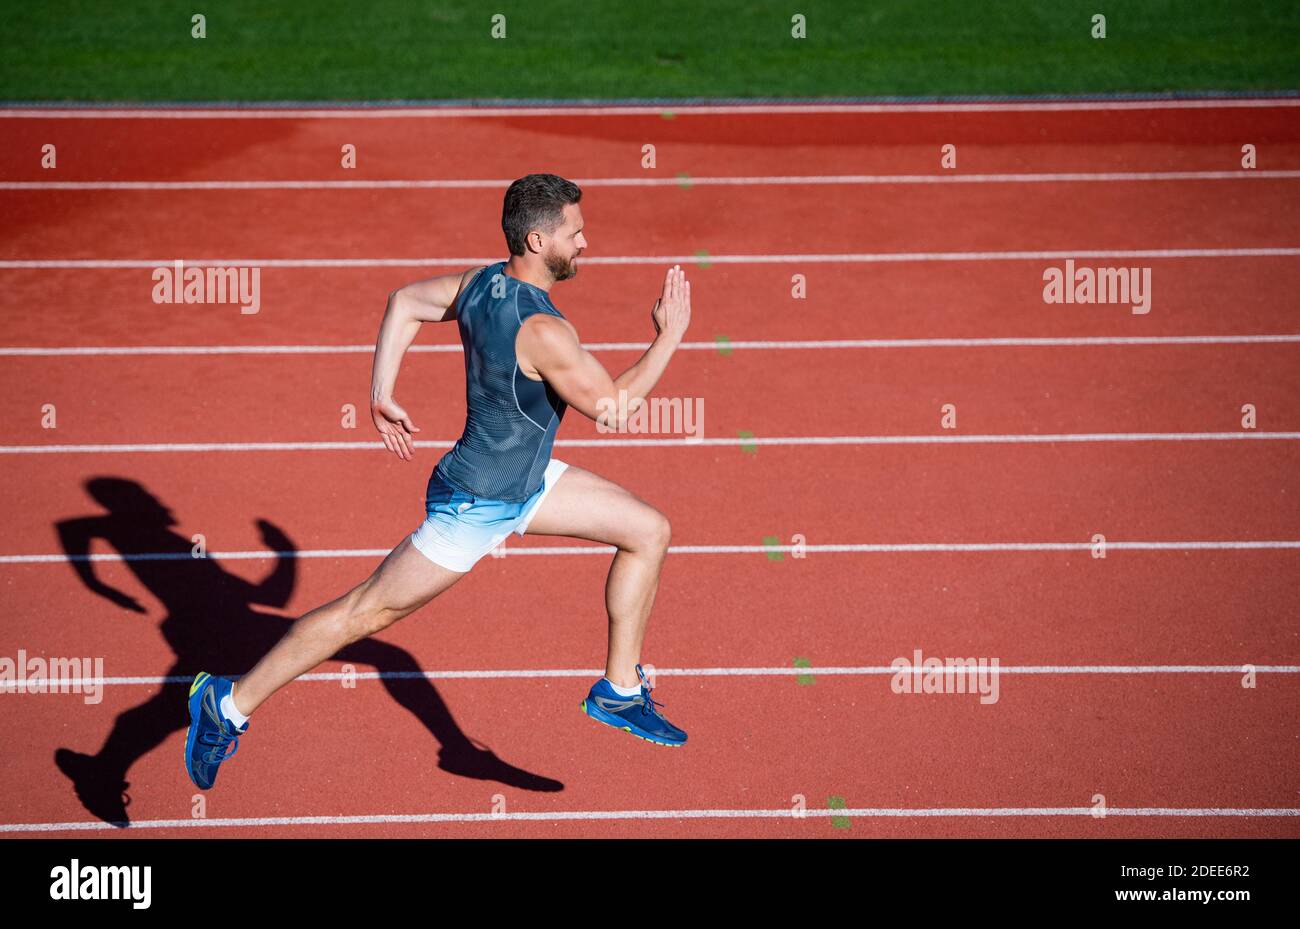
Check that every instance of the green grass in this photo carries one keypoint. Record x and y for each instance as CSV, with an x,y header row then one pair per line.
x,y
388,50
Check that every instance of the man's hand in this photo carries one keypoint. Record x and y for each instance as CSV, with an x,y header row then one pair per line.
x,y
672,311
395,427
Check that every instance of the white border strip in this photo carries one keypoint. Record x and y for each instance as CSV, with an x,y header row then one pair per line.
x,y
675,109
957,439
597,815
697,259
534,674
846,548
679,181
787,345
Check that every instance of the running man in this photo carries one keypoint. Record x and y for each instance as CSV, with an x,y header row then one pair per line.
x,y
524,365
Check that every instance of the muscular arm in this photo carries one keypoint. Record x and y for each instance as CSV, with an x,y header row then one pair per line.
x,y
432,300
551,346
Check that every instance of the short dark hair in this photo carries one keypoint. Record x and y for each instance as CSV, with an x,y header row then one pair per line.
x,y
535,201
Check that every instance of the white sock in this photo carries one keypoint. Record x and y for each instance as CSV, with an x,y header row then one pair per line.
x,y
623,691
231,713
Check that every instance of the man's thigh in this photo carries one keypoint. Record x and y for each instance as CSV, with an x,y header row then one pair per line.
x,y
406,580
584,505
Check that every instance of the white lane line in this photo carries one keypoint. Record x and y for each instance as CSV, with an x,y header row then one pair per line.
x,y
762,344
597,815
818,258
846,548
680,181
605,109
958,439
35,683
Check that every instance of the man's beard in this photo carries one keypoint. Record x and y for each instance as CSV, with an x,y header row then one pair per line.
x,y
560,267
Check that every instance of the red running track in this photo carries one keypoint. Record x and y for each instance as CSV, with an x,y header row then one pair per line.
x,y
1122,676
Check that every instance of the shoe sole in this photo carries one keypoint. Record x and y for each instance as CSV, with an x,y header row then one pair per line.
x,y
627,729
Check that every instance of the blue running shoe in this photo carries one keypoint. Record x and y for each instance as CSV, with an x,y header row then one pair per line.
x,y
212,738
636,715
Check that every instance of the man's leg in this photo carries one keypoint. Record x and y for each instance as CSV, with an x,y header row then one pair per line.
x,y
586,506
404,582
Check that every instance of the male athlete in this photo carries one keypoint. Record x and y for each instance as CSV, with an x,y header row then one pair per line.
x,y
523,366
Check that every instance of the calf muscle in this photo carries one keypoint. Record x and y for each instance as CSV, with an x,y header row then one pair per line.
x,y
403,583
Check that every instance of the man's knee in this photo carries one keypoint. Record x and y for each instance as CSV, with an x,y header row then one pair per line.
x,y
369,611
655,532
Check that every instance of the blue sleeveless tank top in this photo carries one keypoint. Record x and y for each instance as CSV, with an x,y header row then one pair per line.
x,y
511,419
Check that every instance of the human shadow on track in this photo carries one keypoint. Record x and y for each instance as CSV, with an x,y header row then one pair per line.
x,y
211,625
